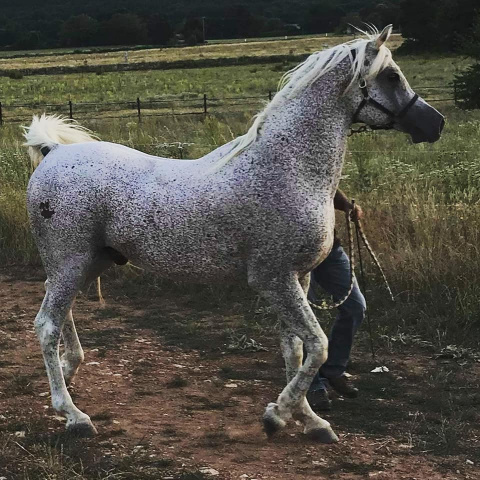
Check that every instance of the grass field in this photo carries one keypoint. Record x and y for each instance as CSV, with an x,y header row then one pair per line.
x,y
259,48
421,201
219,82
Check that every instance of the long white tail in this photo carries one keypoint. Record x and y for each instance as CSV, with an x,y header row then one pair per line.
x,y
46,131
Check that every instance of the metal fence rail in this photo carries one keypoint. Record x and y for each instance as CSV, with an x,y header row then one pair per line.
x,y
139,108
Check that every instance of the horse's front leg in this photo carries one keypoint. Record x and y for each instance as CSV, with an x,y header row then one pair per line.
x,y
288,298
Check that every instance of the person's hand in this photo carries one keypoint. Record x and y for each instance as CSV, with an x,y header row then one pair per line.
x,y
357,213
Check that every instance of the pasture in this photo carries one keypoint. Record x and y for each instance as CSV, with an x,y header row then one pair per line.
x,y
223,50
176,377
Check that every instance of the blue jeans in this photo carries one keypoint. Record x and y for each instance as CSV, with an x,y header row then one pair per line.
x,y
333,275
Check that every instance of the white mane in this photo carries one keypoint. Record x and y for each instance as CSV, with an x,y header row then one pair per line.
x,y
303,75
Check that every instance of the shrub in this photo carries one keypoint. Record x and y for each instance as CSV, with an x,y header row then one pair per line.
x,y
467,87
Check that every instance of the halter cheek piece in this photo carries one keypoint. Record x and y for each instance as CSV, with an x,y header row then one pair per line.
x,y
394,117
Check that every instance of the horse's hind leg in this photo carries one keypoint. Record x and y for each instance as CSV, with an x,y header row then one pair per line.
x,y
73,356
62,288
288,298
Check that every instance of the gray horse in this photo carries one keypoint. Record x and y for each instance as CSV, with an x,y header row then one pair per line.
x,y
256,210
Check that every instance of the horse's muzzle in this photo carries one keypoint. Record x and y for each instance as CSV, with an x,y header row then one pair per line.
x,y
423,122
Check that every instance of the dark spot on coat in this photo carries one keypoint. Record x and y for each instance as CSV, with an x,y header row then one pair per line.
x,y
45,211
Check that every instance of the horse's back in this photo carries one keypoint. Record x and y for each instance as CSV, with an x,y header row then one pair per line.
x,y
160,213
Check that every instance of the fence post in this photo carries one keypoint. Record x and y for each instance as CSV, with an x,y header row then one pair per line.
x,y
205,103
70,108
139,111
455,93
269,95
1,114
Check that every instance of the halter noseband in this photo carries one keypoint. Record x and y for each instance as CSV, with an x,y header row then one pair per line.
x,y
368,100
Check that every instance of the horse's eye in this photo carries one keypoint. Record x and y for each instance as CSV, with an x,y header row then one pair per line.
x,y
394,77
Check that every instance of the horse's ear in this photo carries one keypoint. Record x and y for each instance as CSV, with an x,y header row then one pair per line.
x,y
383,37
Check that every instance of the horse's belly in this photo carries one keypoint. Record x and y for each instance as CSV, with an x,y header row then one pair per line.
x,y
181,248
195,267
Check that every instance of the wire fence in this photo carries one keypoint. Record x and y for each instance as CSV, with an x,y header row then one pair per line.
x,y
191,104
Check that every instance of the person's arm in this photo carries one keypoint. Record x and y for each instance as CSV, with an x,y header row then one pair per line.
x,y
341,202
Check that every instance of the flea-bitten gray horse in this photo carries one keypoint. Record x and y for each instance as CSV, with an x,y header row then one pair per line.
x,y
257,210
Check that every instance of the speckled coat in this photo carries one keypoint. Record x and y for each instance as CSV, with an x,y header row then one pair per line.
x,y
266,217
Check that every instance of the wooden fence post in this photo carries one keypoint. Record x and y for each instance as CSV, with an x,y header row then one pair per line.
x,y
269,95
455,93
1,114
139,111
70,108
205,103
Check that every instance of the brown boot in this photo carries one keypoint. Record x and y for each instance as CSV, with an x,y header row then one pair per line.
x,y
318,400
343,386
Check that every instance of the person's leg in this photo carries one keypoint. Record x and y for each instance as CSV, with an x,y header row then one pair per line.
x,y
333,275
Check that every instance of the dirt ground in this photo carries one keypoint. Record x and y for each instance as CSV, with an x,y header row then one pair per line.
x,y
176,383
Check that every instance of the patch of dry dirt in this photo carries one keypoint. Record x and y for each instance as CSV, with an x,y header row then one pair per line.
x,y
169,397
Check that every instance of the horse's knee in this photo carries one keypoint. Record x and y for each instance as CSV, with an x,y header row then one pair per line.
x,y
46,330
291,344
317,350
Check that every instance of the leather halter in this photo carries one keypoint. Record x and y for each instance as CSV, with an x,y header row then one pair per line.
x,y
394,117
45,151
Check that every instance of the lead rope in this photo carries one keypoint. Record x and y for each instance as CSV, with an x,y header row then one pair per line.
x,y
364,288
359,228
352,269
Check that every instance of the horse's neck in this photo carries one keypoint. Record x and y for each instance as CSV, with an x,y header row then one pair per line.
x,y
307,137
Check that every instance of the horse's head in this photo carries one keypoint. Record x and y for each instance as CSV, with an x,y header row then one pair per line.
x,y
381,97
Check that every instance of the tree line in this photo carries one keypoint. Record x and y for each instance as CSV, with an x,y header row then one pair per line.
x,y
443,25
29,24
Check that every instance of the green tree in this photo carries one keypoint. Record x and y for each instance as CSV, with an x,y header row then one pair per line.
x,y
241,23
159,29
442,25
324,16
124,29
193,31
79,31
467,83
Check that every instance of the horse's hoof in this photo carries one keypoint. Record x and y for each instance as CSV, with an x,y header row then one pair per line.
x,y
322,435
82,430
272,422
